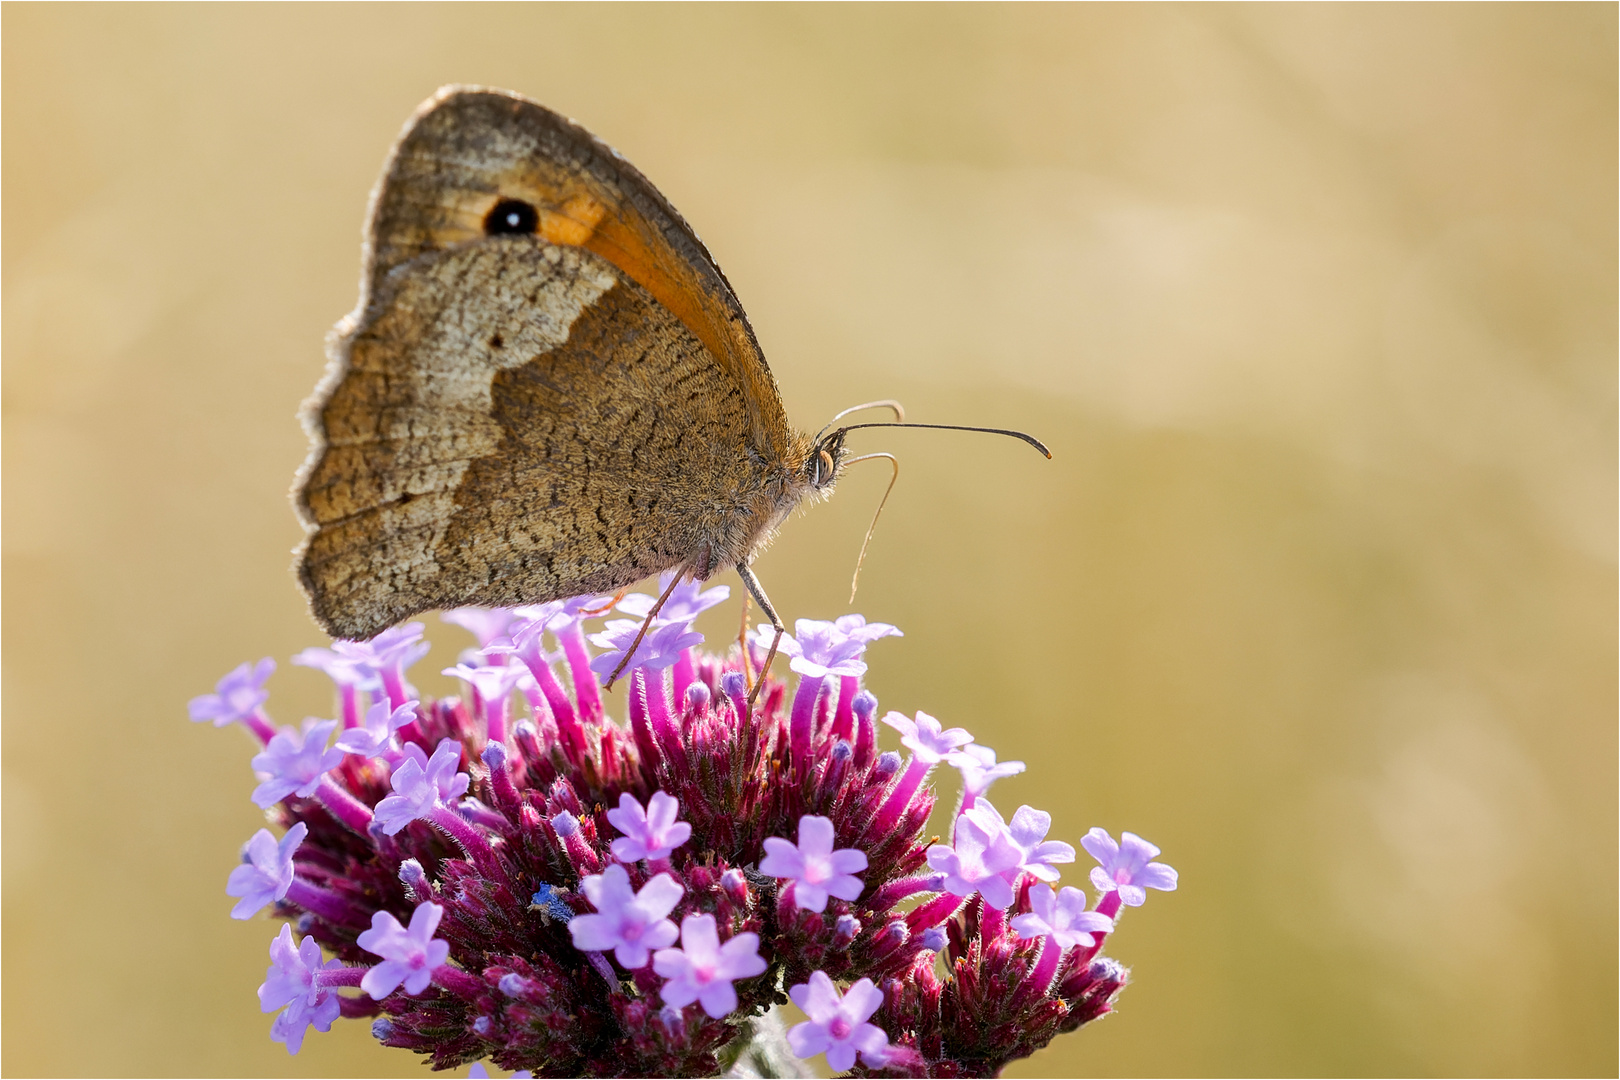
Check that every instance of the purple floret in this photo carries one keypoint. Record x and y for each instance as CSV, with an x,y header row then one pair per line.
x,y
1126,866
237,696
377,733
294,762
292,983
421,783
398,646
341,669
494,684
687,602
1028,830
660,648
410,955
488,625
1062,917
815,869
927,741
630,923
703,970
650,833
266,872
980,769
836,1024
979,860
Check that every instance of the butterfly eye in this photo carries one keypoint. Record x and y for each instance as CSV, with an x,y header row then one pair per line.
x,y
824,468
511,216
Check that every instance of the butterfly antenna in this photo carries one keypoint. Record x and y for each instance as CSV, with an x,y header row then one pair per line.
x,y
855,581
1032,440
887,403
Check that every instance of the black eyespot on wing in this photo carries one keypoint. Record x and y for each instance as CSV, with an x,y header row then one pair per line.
x,y
511,216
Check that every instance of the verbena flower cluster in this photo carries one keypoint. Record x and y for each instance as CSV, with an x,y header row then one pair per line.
x,y
570,895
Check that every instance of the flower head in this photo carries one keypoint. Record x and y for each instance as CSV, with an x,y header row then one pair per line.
x,y
341,669
660,647
816,870
236,696
378,731
266,872
926,740
837,1023
488,625
1062,917
648,834
294,762
632,924
291,983
410,956
703,970
980,859
687,602
980,769
422,783
819,649
1126,866
552,951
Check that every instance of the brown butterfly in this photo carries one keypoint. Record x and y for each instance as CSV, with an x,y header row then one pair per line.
x,y
547,388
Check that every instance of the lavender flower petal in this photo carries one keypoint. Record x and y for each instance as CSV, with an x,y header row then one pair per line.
x,y
703,970
236,697
266,872
648,834
1125,866
293,762
837,1023
631,924
410,955
816,870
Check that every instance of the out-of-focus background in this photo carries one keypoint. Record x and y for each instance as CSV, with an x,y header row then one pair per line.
x,y
1315,305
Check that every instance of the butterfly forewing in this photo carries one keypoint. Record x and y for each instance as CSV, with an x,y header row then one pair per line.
x,y
516,418
468,148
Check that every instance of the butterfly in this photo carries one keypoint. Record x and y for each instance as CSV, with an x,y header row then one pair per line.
x,y
546,389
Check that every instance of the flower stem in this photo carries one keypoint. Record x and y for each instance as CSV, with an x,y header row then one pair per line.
x,y
344,806
569,730
572,637
325,903
804,720
467,838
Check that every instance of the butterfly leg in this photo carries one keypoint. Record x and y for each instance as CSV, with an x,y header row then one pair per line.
x,y
742,646
646,624
757,591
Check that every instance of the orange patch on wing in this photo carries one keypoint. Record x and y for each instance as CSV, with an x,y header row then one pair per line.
x,y
674,286
573,222
581,218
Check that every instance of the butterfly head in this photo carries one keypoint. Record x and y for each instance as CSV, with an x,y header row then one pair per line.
x,y
826,459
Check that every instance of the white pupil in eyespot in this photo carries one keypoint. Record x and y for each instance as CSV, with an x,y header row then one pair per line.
x,y
512,219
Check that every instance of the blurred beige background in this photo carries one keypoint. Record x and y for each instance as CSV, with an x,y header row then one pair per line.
x,y
1315,305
